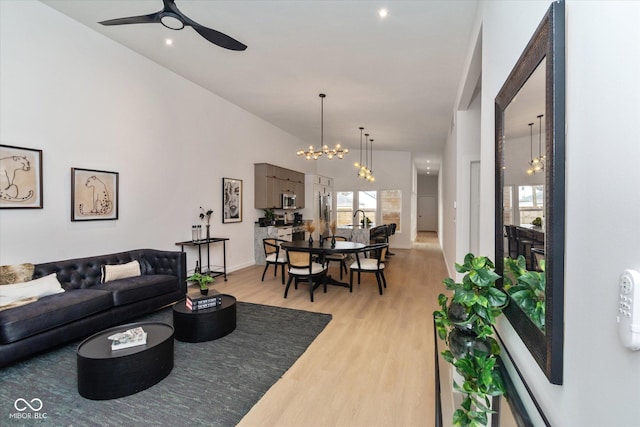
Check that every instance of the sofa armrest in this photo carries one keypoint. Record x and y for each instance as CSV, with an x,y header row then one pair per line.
x,y
168,262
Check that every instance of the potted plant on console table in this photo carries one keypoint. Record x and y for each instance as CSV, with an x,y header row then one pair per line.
x,y
203,281
465,322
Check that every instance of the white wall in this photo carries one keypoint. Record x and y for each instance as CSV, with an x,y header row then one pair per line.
x,y
601,378
468,150
448,201
88,102
427,185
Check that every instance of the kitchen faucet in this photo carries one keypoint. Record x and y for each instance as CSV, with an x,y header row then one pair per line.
x,y
363,215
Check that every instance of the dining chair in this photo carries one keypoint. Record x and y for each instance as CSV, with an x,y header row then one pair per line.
x,y
303,267
373,264
274,255
537,255
525,243
338,257
512,240
392,231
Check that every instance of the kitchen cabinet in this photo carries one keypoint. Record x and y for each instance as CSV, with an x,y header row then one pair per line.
x,y
271,181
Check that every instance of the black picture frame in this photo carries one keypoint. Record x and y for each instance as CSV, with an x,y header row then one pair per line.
x,y
21,182
231,200
548,42
94,195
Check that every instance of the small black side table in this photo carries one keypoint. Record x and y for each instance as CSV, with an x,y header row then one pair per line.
x,y
108,374
204,325
208,242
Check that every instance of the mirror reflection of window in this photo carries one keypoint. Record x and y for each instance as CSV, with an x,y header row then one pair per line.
x,y
530,203
507,205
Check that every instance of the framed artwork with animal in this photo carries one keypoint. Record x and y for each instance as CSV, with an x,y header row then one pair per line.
x,y
94,195
20,178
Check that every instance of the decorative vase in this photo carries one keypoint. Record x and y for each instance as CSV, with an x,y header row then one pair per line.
x,y
310,239
204,291
208,235
466,342
459,315
321,240
333,241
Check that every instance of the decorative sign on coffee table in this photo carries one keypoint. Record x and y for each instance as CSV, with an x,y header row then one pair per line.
x,y
129,338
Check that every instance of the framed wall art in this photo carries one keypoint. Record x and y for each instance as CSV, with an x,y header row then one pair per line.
x,y
94,195
231,200
20,178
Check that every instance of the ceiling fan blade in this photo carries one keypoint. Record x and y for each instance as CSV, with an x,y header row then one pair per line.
x,y
143,19
170,10
218,38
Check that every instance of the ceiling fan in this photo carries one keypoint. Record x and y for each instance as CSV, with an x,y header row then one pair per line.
x,y
171,17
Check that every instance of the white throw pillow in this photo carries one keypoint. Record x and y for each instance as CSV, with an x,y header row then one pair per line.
x,y
120,271
47,285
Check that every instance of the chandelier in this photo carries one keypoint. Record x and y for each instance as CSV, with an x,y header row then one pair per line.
x,y
312,153
536,164
365,169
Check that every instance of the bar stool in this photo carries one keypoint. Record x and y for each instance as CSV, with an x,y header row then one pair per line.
x,y
525,243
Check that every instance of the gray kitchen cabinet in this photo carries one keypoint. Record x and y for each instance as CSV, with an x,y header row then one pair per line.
x,y
271,181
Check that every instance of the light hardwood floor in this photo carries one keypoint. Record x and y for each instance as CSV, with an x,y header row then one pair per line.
x,y
373,364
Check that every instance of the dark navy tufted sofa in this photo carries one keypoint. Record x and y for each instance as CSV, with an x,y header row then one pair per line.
x,y
87,305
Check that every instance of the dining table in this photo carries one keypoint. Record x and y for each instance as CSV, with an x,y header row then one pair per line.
x,y
324,248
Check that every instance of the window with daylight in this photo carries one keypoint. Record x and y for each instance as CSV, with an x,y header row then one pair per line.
x,y
530,202
368,202
507,213
344,208
391,207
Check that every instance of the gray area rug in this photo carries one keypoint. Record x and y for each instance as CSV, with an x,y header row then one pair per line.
x,y
213,383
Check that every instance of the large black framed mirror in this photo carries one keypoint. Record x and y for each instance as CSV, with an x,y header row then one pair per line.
x,y
530,188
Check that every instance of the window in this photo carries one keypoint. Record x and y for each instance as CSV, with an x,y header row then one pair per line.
x,y
530,202
368,202
507,203
391,207
344,208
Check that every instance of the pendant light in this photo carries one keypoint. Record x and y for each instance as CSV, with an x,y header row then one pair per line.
x,y
314,154
370,176
530,169
359,164
541,157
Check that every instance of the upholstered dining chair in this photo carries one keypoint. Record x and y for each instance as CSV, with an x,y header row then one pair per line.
x,y
303,267
340,258
373,264
274,255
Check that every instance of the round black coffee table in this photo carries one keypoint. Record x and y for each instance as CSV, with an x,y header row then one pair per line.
x,y
204,325
108,374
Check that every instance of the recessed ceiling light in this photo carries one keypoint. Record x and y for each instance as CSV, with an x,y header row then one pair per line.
x,y
383,13
168,42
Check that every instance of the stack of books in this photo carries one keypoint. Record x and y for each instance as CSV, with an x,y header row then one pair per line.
x,y
196,301
129,338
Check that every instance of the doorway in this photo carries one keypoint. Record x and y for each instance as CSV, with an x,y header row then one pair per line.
x,y
427,213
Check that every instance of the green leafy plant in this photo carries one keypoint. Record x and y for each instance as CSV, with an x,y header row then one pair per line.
x,y
527,288
203,280
269,214
465,322
481,382
537,222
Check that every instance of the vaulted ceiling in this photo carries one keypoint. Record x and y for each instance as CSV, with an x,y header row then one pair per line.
x,y
396,76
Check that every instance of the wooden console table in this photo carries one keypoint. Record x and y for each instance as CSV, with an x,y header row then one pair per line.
x,y
213,273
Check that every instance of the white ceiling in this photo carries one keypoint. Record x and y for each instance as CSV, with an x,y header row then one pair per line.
x,y
398,76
